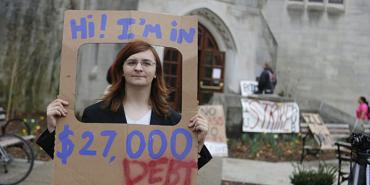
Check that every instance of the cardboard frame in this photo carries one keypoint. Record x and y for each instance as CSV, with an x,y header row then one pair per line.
x,y
104,153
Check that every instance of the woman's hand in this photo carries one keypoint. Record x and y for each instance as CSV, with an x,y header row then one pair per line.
x,y
54,111
199,125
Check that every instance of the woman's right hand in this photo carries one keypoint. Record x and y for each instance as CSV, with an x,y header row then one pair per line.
x,y
54,111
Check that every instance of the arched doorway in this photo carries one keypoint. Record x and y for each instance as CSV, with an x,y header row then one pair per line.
x,y
211,64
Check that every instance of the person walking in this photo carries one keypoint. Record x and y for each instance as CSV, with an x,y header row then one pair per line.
x,y
362,113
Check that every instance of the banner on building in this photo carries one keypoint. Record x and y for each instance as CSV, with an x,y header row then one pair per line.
x,y
269,116
216,138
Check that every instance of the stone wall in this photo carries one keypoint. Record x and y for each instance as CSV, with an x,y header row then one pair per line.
x,y
322,55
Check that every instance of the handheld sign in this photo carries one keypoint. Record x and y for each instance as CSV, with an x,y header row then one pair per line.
x,y
106,153
216,141
319,130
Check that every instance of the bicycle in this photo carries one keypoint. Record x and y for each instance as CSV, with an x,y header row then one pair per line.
x,y
16,159
16,154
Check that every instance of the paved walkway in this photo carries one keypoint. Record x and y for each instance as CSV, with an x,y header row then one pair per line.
x,y
261,172
40,175
265,173
236,170
256,172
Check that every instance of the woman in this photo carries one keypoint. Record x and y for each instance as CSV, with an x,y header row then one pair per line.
x,y
362,109
138,95
361,115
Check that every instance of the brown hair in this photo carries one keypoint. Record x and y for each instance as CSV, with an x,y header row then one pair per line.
x,y
158,93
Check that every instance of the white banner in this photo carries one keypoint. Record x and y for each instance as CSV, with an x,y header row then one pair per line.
x,y
268,116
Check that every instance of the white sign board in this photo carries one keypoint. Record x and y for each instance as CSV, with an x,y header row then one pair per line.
x,y
268,116
248,87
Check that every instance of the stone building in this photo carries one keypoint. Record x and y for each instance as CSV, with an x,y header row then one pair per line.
x,y
319,48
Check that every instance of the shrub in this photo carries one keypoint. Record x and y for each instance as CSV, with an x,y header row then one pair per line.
x,y
325,175
32,126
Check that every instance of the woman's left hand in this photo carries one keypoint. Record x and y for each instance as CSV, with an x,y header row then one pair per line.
x,y
199,125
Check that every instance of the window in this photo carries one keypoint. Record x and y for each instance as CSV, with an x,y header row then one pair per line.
x,y
331,6
172,65
336,1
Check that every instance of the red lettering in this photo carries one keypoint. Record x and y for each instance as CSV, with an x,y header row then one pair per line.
x,y
178,172
173,176
172,172
153,170
127,166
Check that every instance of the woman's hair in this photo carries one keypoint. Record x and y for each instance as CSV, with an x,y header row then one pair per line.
x,y
158,93
109,77
363,99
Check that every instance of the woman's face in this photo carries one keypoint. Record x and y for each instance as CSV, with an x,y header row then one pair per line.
x,y
139,69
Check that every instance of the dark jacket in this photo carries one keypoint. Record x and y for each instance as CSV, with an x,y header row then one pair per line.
x,y
264,82
96,114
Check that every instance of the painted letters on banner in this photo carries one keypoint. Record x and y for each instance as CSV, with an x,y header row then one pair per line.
x,y
268,116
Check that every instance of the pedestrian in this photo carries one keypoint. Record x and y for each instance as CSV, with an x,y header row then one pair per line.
x,y
138,94
362,109
267,80
362,113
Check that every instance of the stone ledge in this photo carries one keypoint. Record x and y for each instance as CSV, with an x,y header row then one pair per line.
x,y
295,5
270,97
335,8
316,6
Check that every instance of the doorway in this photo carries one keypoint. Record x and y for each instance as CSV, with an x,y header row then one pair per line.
x,y
211,65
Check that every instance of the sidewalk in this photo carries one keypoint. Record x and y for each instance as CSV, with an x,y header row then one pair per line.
x,y
263,173
40,175
236,170
256,172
